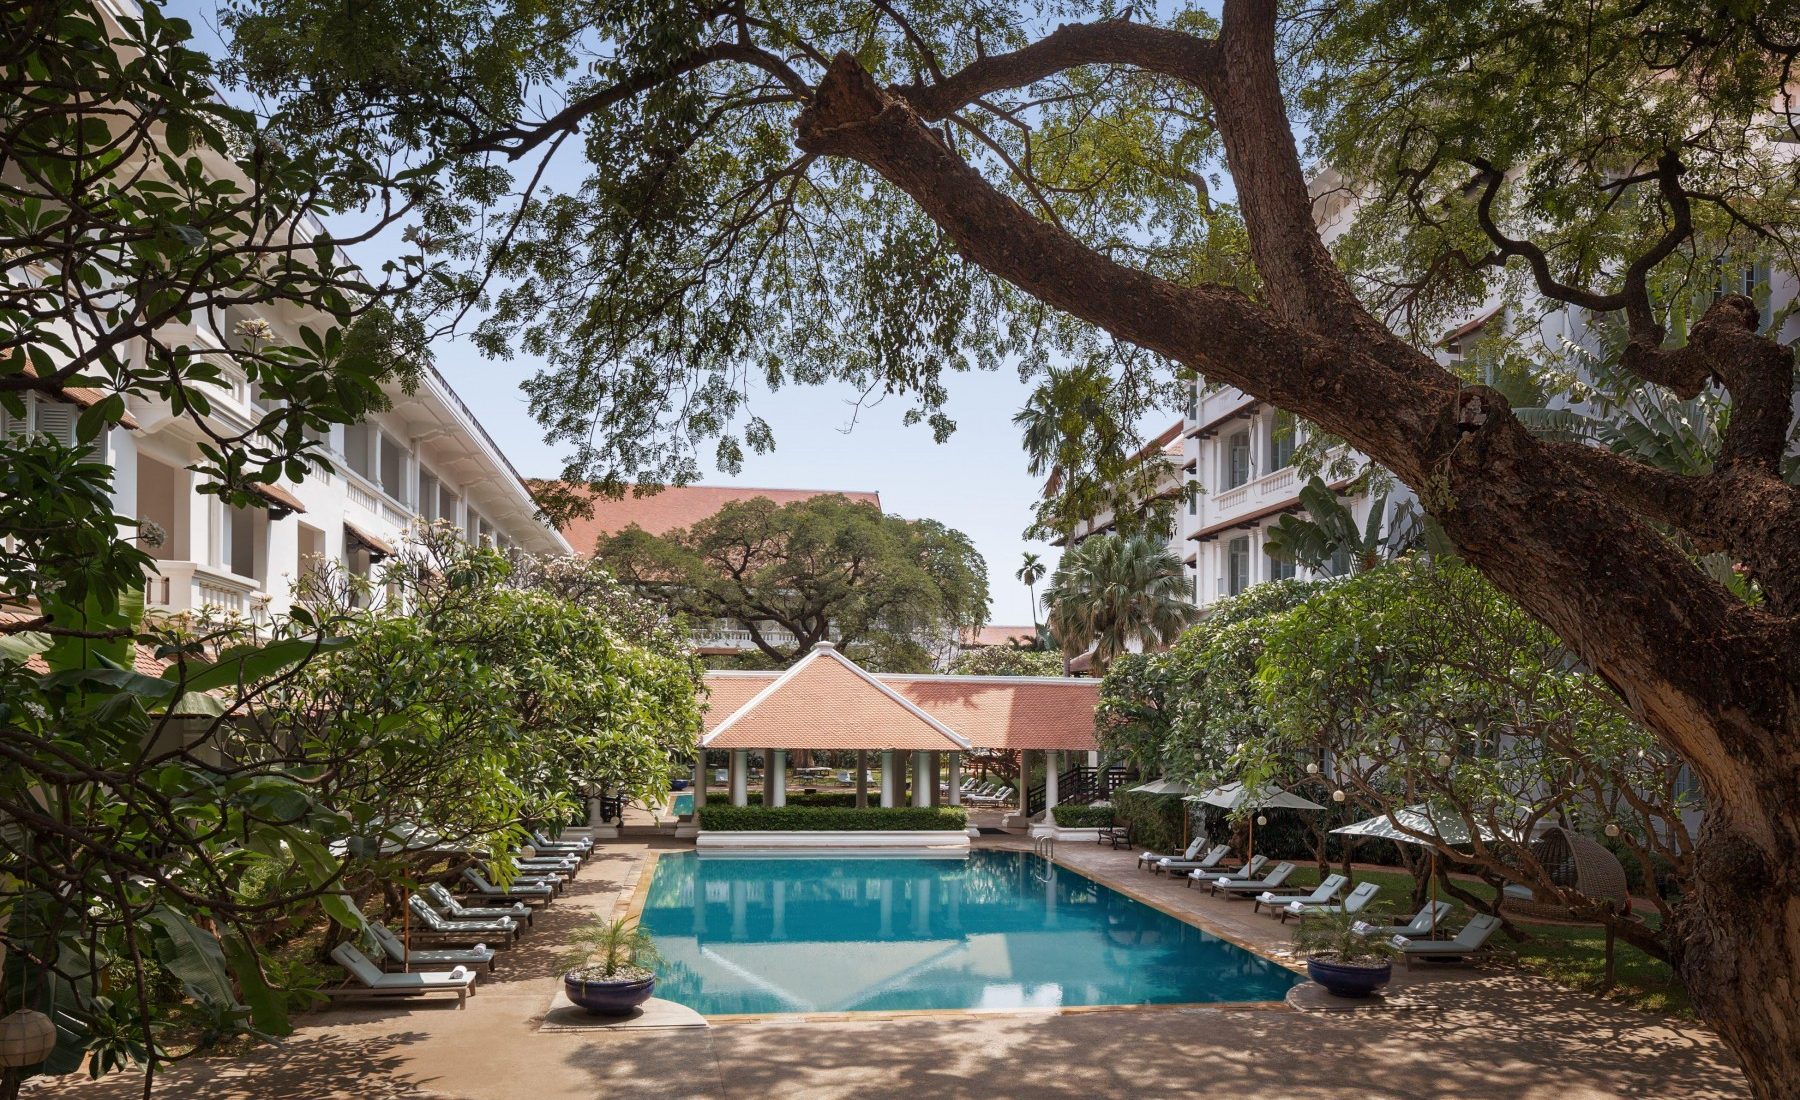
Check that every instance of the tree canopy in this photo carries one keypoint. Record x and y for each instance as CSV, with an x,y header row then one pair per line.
x,y
894,592
884,194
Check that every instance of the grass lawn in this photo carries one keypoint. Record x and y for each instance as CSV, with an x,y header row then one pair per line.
x,y
1574,955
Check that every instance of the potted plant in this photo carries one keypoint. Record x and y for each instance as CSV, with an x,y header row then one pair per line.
x,y
612,973
1345,963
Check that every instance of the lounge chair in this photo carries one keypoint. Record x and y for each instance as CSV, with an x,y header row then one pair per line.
x,y
517,891
543,876
1324,892
1148,859
395,948
1359,898
431,924
1471,939
371,982
581,846
1423,923
1209,861
1004,794
440,898
1242,874
1250,887
566,866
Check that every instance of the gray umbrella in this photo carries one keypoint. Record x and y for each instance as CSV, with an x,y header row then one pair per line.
x,y
1162,786
1232,796
1417,825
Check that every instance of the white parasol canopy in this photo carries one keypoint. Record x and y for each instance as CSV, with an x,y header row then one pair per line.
x,y
1233,796
1416,825
1163,786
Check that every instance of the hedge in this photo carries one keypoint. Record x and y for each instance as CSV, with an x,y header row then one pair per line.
x,y
1072,816
823,798
1154,819
735,819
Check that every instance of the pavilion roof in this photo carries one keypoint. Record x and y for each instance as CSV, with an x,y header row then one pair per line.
x,y
827,701
987,712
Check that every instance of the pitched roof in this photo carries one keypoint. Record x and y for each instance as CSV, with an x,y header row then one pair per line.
x,y
990,712
827,702
1009,712
679,506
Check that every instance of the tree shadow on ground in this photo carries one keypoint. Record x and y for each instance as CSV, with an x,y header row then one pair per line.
x,y
304,1067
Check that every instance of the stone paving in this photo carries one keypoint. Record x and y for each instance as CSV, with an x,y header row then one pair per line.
x,y
1468,1033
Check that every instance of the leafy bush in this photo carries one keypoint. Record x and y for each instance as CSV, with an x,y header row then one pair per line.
x,y
823,798
1154,819
1072,816
734,819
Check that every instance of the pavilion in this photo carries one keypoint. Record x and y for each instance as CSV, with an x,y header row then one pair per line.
x,y
827,702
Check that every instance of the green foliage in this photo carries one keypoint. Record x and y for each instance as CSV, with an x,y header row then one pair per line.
x,y
1328,538
1154,819
1115,589
607,946
825,567
1008,660
1071,816
838,799
733,819
1332,936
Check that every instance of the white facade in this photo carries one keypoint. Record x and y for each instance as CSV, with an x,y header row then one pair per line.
x,y
425,458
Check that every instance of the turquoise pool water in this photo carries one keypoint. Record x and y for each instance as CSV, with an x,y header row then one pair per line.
x,y
684,804
994,930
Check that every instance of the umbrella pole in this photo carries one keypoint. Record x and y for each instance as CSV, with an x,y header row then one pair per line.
x,y
406,936
1432,870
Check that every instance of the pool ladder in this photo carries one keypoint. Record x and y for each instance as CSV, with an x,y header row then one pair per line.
x,y
1045,846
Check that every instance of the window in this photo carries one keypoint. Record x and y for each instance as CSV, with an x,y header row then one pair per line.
x,y
1193,402
1281,442
446,504
1237,565
55,419
1237,460
359,449
1193,497
1740,278
1280,570
393,467
1339,566
238,553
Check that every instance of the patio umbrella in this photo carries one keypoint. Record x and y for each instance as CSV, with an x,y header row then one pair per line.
x,y
1233,796
1416,825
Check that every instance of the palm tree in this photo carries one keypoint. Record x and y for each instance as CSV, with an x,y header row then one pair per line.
x,y
1113,590
1032,572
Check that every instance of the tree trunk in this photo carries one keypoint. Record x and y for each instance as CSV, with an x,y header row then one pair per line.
x,y
1568,531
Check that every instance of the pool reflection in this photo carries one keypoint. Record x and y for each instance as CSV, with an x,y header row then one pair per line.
x,y
993,930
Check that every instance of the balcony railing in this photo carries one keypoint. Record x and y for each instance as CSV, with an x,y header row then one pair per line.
x,y
737,638
179,586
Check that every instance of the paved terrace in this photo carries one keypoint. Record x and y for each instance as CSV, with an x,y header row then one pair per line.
x,y
1462,1034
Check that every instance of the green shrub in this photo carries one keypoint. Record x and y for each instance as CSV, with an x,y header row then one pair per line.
x,y
734,819
823,798
1071,816
1154,819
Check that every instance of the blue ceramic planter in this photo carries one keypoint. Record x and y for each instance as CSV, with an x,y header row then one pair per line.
x,y
1348,981
609,998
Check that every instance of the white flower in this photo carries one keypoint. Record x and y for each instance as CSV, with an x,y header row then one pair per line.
x,y
254,329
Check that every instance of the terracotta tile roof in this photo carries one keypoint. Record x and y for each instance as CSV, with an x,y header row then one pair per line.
x,y
675,507
1009,712
86,397
144,659
827,702
379,546
276,495
991,712
997,635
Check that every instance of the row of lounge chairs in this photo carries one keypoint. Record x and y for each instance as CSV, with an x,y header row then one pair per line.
x,y
1412,939
459,934
986,794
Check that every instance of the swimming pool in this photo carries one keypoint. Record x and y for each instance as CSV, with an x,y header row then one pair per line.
x,y
997,929
683,805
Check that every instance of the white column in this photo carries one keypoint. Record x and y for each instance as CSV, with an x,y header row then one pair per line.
x,y
740,777
776,762
887,777
699,779
956,779
1052,760
921,787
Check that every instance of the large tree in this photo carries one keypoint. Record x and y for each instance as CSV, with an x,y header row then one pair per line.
x,y
1115,591
875,192
895,592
